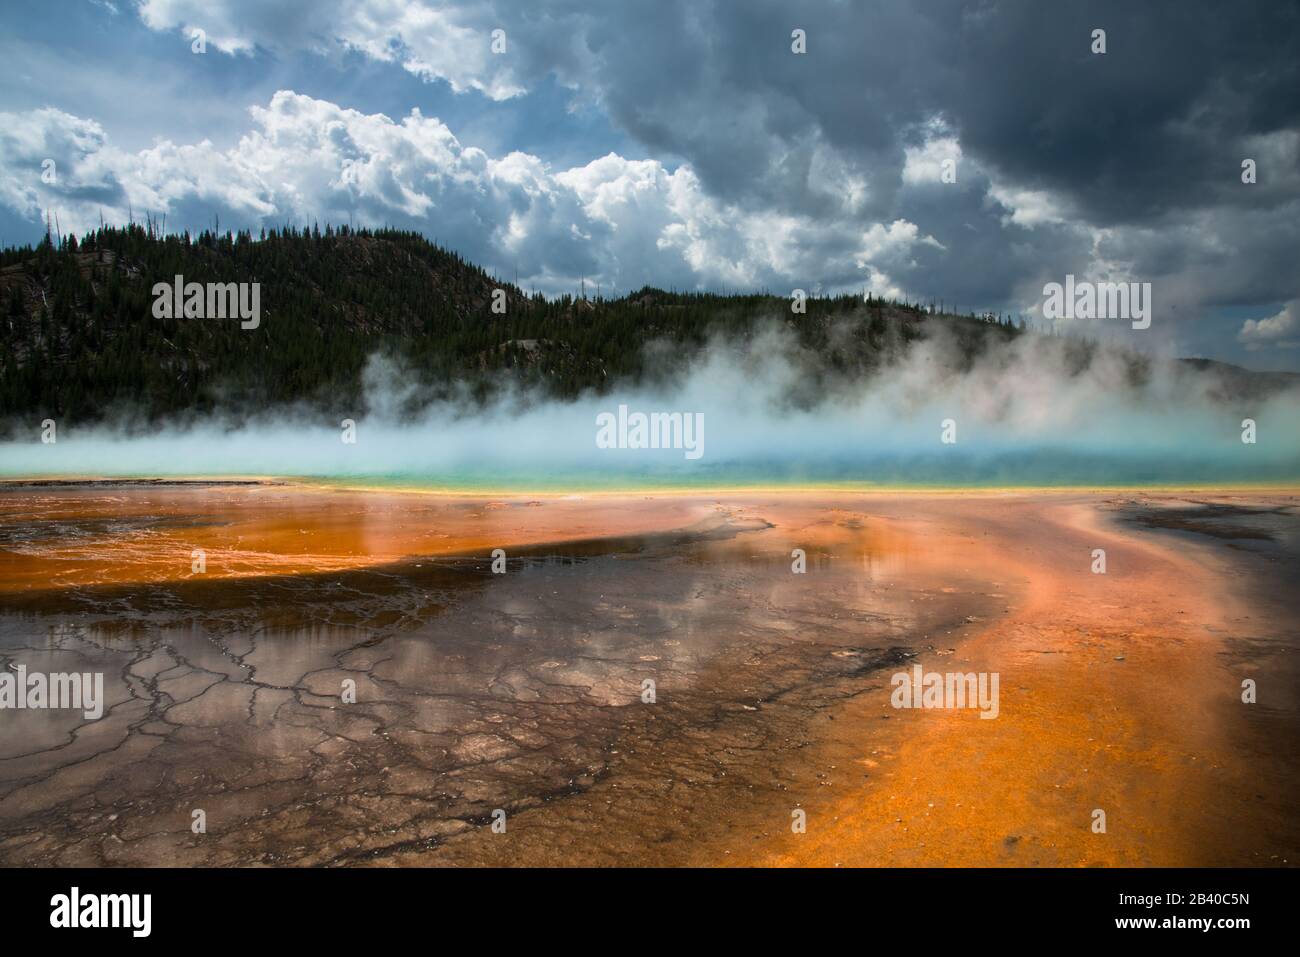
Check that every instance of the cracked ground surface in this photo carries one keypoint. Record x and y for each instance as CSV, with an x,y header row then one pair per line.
x,y
524,691
473,691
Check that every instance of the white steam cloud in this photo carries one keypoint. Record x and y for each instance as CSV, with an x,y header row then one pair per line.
x,y
1024,413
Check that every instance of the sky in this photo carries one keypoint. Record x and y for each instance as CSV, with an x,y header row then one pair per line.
x,y
961,153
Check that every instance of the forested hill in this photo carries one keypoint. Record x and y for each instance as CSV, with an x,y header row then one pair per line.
x,y
81,338
82,342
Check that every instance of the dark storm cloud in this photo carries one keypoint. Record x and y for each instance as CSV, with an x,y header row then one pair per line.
x,y
1144,141
1160,122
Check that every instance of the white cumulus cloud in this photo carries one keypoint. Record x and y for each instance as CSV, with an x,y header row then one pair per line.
x,y
621,221
1281,330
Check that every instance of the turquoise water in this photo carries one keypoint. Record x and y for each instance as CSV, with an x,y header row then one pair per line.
x,y
1026,470
556,451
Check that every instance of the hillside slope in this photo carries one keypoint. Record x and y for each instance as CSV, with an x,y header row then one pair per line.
x,y
81,342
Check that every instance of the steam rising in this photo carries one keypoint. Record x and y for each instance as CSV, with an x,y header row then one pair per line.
x,y
1026,412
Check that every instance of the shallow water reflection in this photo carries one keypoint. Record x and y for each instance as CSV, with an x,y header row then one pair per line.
x,y
473,690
